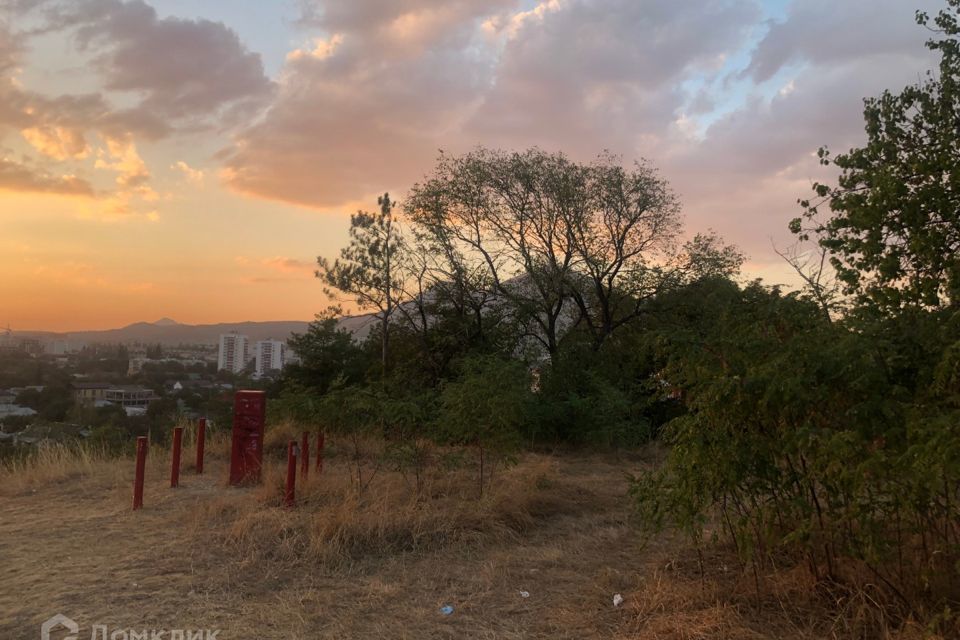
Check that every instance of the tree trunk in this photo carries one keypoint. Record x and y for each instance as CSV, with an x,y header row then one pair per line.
x,y
387,211
385,343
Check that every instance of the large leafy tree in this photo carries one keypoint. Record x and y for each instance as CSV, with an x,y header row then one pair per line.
x,y
630,221
506,216
561,243
894,224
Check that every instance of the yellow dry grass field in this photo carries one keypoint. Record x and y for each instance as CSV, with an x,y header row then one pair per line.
x,y
540,555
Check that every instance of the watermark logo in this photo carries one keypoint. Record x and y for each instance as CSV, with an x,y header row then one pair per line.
x,y
103,632
57,621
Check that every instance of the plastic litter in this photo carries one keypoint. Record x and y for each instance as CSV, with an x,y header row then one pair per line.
x,y
617,599
446,609
524,594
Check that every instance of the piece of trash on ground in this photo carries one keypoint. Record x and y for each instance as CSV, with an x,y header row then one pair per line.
x,y
617,599
446,609
524,594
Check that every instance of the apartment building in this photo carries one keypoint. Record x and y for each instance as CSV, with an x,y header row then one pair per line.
x,y
234,352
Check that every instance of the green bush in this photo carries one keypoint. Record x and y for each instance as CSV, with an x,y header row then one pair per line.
x,y
809,437
486,408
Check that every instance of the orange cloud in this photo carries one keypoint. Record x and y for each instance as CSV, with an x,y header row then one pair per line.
x,y
192,175
277,263
291,265
59,143
121,156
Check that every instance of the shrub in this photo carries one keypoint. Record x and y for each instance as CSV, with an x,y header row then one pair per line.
x,y
809,437
486,408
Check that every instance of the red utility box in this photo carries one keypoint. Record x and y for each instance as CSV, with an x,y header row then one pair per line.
x,y
246,455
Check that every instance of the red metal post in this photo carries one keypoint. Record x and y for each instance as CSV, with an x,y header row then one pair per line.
x,y
201,440
175,463
305,455
141,467
246,452
289,494
320,452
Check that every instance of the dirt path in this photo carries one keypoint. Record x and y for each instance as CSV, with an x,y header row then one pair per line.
x,y
75,548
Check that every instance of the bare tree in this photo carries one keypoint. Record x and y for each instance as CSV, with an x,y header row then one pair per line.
x,y
819,278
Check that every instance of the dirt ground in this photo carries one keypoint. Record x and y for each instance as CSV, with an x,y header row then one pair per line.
x,y
74,547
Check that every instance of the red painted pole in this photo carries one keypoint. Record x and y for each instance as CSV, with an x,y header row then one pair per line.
x,y
305,455
138,478
201,439
175,463
320,452
246,446
289,494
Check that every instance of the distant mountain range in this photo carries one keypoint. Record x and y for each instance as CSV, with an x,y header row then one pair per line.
x,y
170,332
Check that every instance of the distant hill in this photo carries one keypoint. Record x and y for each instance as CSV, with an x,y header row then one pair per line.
x,y
170,332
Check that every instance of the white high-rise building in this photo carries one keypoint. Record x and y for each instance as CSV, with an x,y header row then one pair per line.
x,y
270,354
234,352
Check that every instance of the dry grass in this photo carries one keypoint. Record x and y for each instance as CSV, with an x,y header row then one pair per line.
x,y
334,523
677,602
55,463
380,564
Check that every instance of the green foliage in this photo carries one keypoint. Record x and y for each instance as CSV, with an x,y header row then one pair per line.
x,y
368,269
51,403
103,360
591,398
326,354
349,410
894,228
405,418
163,412
520,269
835,436
708,256
834,441
111,437
18,369
487,407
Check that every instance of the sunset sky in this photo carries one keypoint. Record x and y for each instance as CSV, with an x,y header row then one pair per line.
x,y
191,158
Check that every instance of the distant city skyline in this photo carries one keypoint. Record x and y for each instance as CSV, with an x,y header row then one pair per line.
x,y
191,158
19,330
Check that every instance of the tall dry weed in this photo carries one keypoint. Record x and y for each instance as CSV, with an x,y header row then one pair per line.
x,y
54,462
335,523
